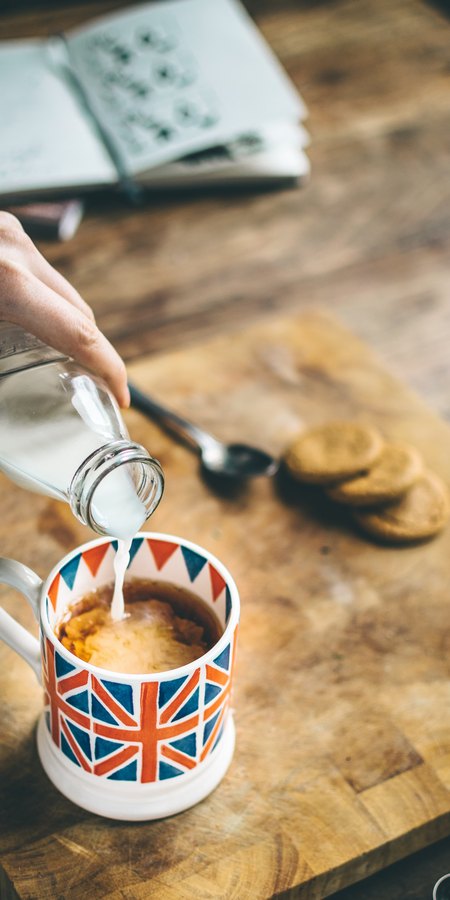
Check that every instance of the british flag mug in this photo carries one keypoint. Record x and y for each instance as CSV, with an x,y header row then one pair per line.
x,y
133,747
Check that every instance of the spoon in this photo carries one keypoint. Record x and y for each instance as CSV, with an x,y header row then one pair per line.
x,y
229,460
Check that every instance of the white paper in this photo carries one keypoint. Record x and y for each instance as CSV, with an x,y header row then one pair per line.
x,y
170,78
46,140
273,153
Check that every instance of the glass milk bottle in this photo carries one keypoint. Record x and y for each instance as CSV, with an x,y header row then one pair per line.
x,y
62,434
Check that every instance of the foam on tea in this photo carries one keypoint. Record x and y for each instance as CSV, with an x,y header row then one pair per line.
x,y
164,627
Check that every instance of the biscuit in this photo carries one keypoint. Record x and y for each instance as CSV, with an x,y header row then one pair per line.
x,y
332,452
421,513
395,470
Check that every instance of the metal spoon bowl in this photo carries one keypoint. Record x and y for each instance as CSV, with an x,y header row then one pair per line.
x,y
227,460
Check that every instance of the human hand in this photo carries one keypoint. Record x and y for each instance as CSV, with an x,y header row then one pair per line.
x,y
39,299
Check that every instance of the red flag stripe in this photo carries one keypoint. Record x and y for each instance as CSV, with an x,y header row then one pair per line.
x,y
74,714
177,757
216,703
178,701
149,719
215,675
72,681
51,689
141,734
74,747
107,765
56,702
111,705
116,733
170,731
212,736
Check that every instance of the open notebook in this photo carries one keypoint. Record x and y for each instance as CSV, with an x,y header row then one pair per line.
x,y
180,92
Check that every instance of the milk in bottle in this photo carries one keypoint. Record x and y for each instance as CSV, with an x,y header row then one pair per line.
x,y
62,434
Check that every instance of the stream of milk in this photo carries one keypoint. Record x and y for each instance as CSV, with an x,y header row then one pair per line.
x,y
121,561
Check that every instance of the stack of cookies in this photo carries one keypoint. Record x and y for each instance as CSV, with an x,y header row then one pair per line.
x,y
392,495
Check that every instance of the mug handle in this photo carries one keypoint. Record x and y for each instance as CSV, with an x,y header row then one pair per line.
x,y
11,632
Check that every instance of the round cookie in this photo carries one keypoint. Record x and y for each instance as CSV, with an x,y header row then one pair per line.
x,y
420,513
332,452
395,470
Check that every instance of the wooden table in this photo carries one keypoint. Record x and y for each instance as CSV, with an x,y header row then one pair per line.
x,y
368,238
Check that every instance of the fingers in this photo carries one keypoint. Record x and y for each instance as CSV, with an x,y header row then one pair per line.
x,y
37,297
24,252
54,280
27,301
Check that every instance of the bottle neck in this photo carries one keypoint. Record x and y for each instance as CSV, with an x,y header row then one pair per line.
x,y
116,489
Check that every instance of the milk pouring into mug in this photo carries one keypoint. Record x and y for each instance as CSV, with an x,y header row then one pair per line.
x,y
62,434
170,737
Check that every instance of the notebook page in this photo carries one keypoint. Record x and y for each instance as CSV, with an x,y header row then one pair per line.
x,y
46,140
274,153
166,79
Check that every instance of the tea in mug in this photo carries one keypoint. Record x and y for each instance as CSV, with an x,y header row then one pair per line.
x,y
165,626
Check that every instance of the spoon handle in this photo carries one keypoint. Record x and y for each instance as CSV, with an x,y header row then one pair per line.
x,y
170,421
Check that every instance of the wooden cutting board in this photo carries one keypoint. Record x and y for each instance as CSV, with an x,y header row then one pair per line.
x,y
342,698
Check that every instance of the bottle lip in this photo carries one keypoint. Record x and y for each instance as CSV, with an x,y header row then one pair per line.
x,y
99,464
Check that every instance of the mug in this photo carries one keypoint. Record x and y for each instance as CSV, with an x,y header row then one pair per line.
x,y
132,747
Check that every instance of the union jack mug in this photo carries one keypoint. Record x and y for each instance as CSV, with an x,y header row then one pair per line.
x,y
133,747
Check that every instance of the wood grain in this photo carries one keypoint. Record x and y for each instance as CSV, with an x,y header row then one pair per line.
x,y
342,694
369,237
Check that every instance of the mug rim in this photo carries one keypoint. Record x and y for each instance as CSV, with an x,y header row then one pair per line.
x,y
167,674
